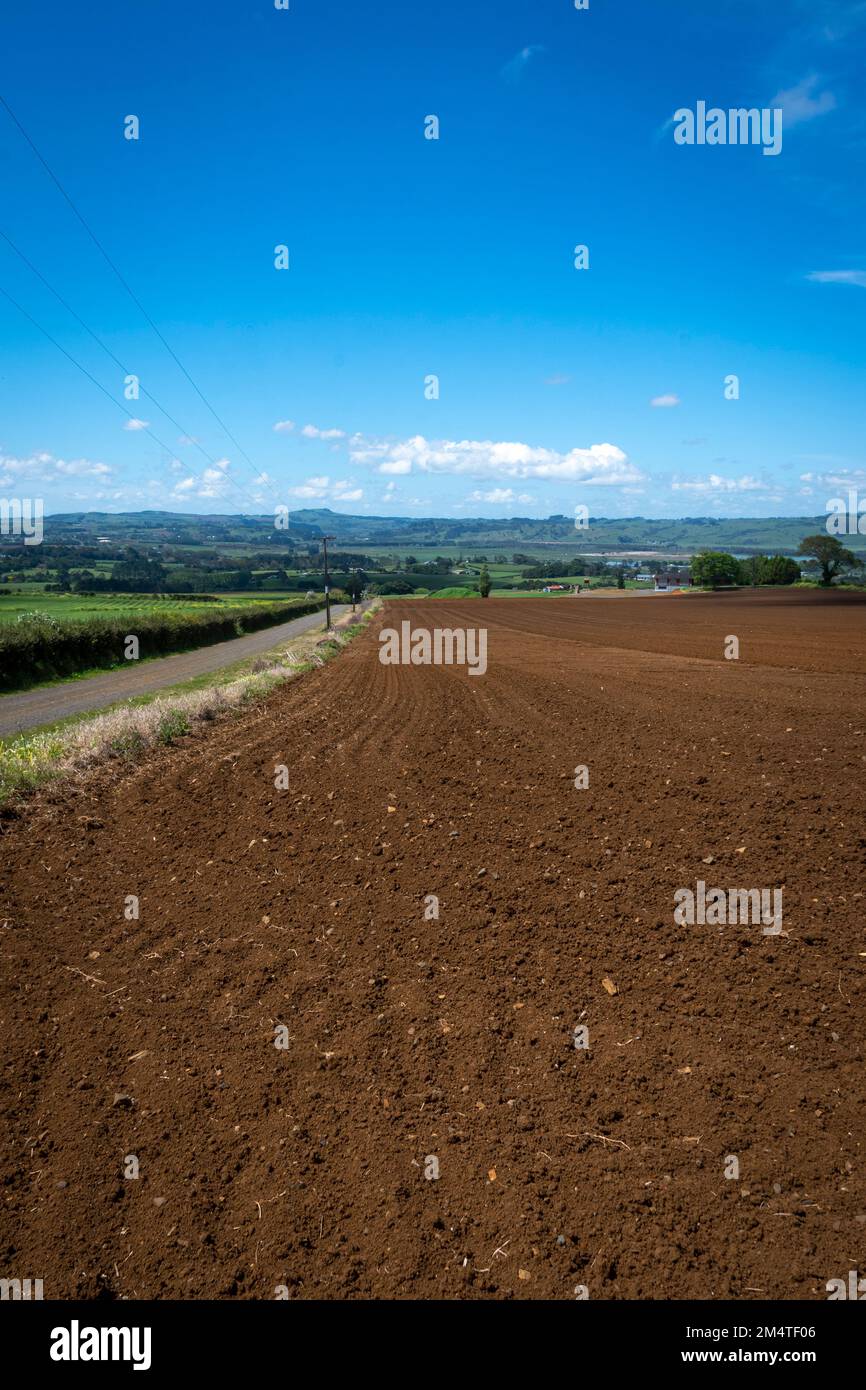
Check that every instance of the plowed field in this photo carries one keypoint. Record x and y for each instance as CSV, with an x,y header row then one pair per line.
x,y
412,1037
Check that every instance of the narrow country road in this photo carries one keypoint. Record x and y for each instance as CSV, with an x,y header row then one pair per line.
x,y
50,702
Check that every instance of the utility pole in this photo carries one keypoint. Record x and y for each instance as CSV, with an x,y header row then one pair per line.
x,y
325,540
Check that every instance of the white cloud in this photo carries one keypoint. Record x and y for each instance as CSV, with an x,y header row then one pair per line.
x,y
346,491
839,277
78,468
313,487
716,483
320,488
600,464
516,66
45,468
133,424
798,103
304,490
664,402
212,482
313,432
842,18
558,379
837,479
395,466
496,494
284,426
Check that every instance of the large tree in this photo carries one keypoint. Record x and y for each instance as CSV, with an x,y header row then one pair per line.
x,y
831,555
712,568
778,569
769,569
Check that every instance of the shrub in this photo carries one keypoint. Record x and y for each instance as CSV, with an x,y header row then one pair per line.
x,y
173,724
127,744
36,618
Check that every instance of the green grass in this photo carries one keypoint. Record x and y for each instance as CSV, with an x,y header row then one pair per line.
x,y
68,607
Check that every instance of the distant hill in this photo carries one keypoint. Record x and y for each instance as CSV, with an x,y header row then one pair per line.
x,y
683,535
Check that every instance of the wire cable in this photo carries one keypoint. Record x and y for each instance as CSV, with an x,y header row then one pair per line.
x,y
105,348
98,244
145,429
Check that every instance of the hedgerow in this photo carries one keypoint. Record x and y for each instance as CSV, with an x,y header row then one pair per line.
x,y
32,651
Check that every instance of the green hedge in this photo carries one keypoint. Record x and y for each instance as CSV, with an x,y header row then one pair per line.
x,y
31,652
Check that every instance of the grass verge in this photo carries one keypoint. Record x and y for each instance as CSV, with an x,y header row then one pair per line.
x,y
128,729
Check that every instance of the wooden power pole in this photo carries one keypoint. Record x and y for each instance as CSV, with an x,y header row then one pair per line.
x,y
325,540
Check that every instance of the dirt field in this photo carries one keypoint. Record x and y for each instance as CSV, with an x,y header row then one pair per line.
x,y
411,1037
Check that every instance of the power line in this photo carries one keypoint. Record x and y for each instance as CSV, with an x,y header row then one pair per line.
x,y
145,428
98,244
95,336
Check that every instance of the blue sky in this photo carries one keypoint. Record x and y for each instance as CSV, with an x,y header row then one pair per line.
x,y
412,257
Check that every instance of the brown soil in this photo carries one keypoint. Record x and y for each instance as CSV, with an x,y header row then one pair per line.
x,y
453,1037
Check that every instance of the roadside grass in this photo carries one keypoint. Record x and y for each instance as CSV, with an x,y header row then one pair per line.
x,y
126,730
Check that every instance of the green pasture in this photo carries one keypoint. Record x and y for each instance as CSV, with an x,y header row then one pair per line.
x,y
76,606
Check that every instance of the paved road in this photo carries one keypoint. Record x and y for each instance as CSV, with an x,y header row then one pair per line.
x,y
50,702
